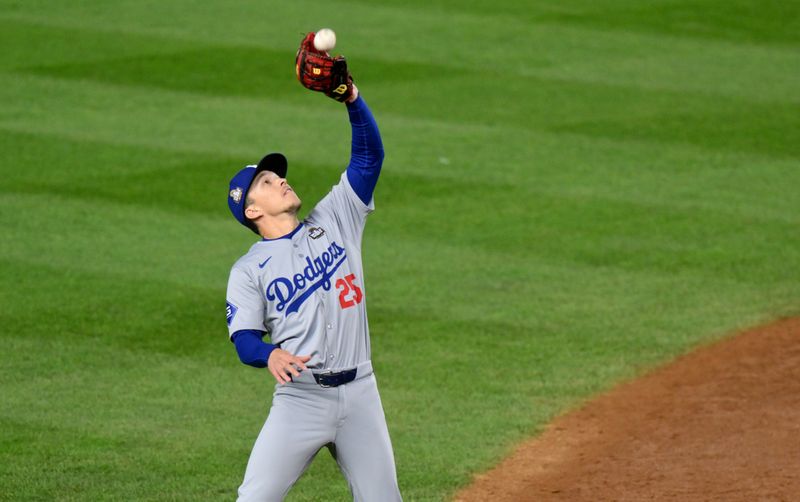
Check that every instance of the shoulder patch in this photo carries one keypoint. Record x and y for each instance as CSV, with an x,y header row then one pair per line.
x,y
230,312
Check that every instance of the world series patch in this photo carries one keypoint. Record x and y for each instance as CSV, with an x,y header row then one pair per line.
x,y
236,194
230,311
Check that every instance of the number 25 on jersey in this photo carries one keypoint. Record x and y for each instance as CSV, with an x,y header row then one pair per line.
x,y
350,294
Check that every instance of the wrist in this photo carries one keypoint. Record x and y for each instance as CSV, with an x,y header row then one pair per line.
x,y
268,350
354,97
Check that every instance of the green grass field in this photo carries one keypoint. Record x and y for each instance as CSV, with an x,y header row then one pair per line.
x,y
573,192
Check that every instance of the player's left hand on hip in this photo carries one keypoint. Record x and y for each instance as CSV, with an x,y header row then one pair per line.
x,y
284,365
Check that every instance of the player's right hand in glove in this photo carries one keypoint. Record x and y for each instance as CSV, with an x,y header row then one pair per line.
x,y
318,71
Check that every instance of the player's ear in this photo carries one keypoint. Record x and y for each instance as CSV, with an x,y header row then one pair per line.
x,y
252,212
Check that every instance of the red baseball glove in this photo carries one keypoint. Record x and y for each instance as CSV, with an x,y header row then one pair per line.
x,y
318,71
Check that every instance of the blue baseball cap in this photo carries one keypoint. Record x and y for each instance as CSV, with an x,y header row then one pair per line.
x,y
240,184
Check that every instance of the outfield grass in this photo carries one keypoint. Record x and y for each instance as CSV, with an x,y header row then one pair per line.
x,y
573,193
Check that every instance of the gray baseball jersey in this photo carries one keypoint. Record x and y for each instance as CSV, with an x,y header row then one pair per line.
x,y
306,290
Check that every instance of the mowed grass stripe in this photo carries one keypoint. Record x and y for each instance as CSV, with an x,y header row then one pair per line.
x,y
549,295
582,107
222,63
115,312
520,286
29,43
443,201
579,229
421,274
624,235
493,37
179,121
129,240
148,120
769,22
133,422
550,163
734,68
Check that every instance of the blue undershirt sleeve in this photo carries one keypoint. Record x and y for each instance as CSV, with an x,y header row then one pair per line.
x,y
366,155
251,347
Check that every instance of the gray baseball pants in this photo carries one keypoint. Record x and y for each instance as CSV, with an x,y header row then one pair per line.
x,y
304,418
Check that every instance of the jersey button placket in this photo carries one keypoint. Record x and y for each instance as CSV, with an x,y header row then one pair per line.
x,y
331,357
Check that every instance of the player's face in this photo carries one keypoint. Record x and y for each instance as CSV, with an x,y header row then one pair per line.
x,y
273,195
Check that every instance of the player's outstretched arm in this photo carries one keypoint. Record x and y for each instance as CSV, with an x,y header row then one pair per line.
x,y
318,71
366,154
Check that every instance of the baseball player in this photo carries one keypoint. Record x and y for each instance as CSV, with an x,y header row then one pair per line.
x,y
303,285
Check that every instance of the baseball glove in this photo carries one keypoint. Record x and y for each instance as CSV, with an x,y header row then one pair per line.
x,y
318,71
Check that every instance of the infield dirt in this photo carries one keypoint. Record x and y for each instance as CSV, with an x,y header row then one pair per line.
x,y
721,423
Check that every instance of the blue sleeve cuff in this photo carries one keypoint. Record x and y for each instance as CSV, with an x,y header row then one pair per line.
x,y
251,347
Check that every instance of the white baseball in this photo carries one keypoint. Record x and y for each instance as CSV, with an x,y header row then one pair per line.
x,y
325,40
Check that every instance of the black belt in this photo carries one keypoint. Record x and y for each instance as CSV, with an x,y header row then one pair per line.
x,y
335,379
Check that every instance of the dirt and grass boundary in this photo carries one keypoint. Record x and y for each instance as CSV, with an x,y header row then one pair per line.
x,y
720,423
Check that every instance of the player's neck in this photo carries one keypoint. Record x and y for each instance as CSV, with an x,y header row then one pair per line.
x,y
278,226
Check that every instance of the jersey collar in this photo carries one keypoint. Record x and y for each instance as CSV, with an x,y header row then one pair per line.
x,y
287,236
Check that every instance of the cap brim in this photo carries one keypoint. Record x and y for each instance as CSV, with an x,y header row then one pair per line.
x,y
274,162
